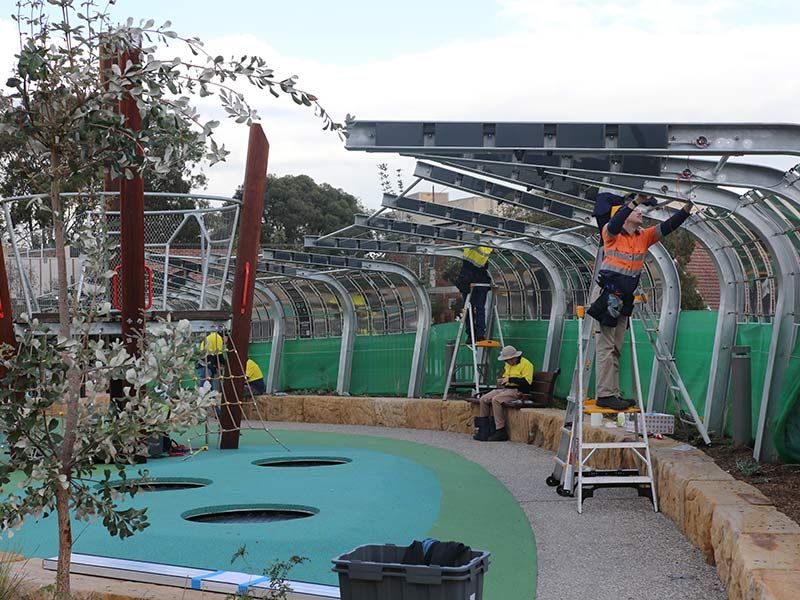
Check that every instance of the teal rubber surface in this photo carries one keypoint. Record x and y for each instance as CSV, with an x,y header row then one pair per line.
x,y
391,491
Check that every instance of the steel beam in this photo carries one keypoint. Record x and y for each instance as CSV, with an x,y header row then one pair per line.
x,y
517,138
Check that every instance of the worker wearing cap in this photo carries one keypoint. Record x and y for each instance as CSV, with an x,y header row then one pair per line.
x,y
475,270
625,245
255,379
516,380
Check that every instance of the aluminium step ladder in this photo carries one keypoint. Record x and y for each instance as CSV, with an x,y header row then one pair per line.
x,y
479,350
579,479
666,363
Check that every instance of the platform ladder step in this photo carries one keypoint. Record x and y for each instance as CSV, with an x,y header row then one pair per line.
x,y
480,350
579,479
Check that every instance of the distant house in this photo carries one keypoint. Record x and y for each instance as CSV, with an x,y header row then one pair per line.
x,y
701,266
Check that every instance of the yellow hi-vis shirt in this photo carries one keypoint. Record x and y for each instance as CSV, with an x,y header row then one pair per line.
x,y
214,342
478,256
253,371
523,369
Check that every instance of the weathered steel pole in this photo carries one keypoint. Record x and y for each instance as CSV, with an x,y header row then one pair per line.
x,y
132,230
255,181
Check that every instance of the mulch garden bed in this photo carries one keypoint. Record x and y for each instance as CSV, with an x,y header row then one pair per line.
x,y
778,482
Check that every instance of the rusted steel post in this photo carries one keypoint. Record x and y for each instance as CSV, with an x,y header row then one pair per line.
x,y
6,318
132,231
255,181
107,59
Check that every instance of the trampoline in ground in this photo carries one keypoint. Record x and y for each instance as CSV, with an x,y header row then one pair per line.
x,y
342,491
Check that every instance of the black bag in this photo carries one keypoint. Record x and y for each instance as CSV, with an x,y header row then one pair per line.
x,y
433,552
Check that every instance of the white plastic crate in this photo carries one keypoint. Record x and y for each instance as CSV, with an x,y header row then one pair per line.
x,y
657,423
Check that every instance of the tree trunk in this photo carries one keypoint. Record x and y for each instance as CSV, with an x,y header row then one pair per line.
x,y
64,544
67,446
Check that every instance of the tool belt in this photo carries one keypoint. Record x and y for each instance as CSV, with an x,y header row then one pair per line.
x,y
611,304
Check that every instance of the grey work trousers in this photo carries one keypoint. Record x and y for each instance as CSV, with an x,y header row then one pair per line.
x,y
495,401
609,348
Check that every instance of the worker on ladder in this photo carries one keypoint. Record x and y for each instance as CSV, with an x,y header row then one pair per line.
x,y
475,269
625,246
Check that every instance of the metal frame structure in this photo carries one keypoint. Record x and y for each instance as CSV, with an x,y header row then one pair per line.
x,y
549,168
537,253
329,262
348,316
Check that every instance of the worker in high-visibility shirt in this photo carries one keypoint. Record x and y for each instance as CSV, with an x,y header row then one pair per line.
x,y
255,379
475,270
210,366
625,245
516,380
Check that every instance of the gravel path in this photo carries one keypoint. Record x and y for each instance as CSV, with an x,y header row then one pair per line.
x,y
618,549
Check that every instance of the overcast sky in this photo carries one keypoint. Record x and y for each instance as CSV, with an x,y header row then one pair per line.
x,y
483,60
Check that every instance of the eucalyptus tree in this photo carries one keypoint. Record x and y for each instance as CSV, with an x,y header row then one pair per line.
x,y
61,115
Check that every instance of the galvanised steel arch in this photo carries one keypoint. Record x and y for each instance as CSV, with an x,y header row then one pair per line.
x,y
558,163
327,262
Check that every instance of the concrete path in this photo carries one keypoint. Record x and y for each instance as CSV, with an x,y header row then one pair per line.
x,y
618,549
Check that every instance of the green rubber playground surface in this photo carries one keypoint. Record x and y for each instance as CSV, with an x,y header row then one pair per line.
x,y
390,491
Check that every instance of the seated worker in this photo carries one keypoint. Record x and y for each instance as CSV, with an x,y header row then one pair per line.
x,y
255,379
474,269
516,380
625,246
209,367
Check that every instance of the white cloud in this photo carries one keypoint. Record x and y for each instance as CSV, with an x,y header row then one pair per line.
x,y
567,61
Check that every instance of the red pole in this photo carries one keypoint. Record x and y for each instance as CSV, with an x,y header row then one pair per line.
x,y
255,182
132,231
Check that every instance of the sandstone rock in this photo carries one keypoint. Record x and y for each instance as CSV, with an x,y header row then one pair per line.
x,y
703,497
283,408
729,522
390,412
772,585
545,428
457,416
769,552
673,472
358,411
519,423
322,409
424,414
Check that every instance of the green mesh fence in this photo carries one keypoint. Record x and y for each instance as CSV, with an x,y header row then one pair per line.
x,y
787,421
381,364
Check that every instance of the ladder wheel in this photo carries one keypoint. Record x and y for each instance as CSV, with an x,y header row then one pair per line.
x,y
562,492
552,481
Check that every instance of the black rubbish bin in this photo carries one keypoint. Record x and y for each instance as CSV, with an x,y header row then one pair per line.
x,y
375,572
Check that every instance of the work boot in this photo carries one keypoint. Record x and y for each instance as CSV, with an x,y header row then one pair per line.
x,y
482,431
501,435
613,402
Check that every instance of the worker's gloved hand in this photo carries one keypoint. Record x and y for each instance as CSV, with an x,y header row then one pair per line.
x,y
614,306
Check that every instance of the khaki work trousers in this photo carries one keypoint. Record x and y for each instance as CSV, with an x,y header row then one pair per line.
x,y
496,399
609,348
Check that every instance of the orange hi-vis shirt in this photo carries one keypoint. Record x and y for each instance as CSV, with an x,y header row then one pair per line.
x,y
625,253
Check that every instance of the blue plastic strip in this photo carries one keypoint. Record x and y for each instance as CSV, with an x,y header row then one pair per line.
x,y
244,586
197,581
